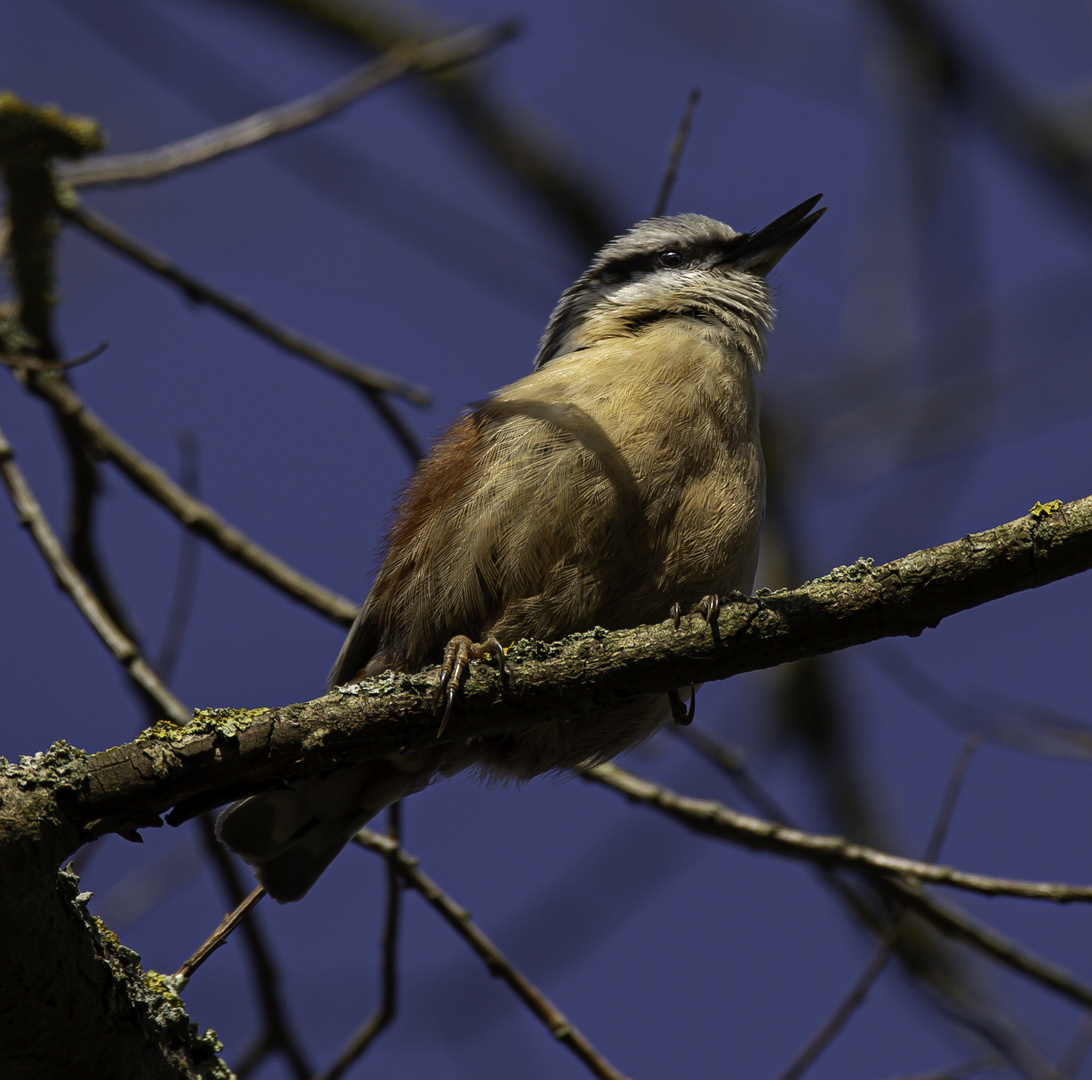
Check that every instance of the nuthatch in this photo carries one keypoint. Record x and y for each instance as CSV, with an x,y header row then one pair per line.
x,y
622,477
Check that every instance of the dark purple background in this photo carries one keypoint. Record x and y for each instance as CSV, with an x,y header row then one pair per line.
x,y
676,957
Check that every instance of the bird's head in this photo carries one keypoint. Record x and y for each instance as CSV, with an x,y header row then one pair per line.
x,y
685,265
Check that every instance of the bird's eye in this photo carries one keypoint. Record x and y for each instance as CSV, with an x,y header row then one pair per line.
x,y
669,259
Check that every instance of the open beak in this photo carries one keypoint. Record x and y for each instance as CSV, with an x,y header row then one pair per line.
x,y
761,251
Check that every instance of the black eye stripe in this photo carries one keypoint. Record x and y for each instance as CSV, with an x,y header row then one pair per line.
x,y
637,265
670,256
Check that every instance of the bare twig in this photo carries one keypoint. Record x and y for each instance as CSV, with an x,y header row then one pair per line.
x,y
192,513
957,923
714,819
282,119
362,375
678,145
33,363
388,1004
975,1067
951,794
31,516
857,993
126,652
838,1019
479,112
32,138
458,919
947,918
1031,728
398,427
217,938
185,579
1076,1050
277,1034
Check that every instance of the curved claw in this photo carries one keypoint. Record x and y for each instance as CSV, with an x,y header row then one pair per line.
x,y
683,717
709,608
459,654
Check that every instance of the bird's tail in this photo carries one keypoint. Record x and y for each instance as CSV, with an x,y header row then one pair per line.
x,y
290,836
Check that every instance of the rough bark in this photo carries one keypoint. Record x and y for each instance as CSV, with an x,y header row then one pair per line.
x,y
74,1002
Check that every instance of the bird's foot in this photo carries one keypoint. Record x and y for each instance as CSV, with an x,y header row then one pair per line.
x,y
460,653
708,607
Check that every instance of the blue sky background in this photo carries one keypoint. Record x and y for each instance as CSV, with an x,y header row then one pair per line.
x,y
928,377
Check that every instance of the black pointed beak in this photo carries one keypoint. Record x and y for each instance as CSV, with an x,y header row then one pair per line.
x,y
761,251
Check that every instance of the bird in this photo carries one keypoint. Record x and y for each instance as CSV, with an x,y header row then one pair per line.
x,y
619,481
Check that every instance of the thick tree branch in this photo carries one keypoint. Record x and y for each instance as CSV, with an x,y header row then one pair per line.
x,y
73,1000
226,753
52,803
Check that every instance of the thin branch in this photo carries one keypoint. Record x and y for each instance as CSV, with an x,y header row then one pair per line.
x,y
481,114
946,918
362,375
217,938
185,578
1023,1058
1030,728
33,363
191,512
714,819
678,145
398,427
1076,1050
388,1004
282,119
277,1034
975,1067
458,918
857,993
31,516
957,923
731,762
951,794
32,138
838,1019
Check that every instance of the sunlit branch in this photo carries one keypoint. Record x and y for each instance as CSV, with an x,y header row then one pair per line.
x,y
282,119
